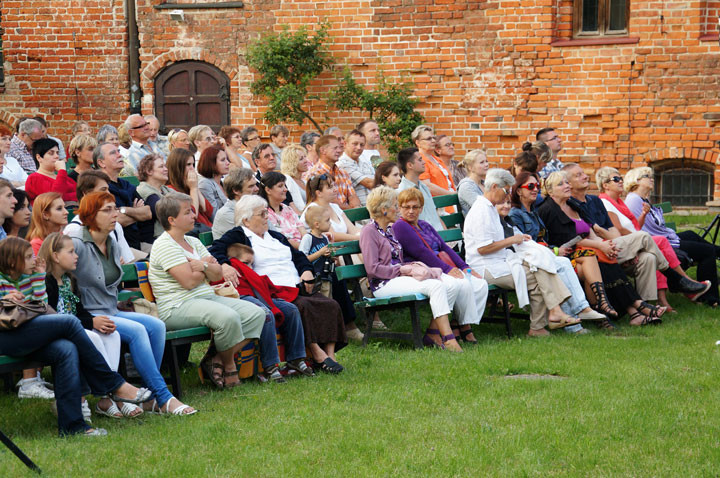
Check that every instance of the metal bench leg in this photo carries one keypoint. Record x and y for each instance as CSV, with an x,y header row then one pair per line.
x,y
368,327
19,453
175,371
506,312
415,320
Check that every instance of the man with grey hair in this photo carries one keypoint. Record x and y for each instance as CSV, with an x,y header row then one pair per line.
x,y
264,160
337,132
157,142
487,253
29,131
139,130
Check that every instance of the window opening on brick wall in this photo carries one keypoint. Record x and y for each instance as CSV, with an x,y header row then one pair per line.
x,y
597,18
683,186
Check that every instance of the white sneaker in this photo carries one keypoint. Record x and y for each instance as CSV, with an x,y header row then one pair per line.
x,y
87,414
354,334
34,388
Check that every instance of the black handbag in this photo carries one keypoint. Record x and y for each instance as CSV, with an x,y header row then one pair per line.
x,y
13,313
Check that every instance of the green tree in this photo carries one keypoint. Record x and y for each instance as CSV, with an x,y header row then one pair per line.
x,y
390,104
287,63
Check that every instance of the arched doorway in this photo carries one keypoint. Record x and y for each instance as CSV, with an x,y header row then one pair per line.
x,y
188,93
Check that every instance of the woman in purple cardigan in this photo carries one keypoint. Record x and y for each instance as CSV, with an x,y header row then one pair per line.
x,y
388,276
420,242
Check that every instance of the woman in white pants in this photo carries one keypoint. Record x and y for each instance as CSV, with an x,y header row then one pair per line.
x,y
420,242
388,276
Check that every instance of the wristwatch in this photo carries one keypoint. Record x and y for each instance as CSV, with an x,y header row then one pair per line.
x,y
123,210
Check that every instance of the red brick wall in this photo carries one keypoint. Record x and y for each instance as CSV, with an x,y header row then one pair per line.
x,y
490,73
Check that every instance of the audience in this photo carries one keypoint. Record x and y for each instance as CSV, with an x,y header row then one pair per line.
x,y
445,152
183,178
473,185
437,177
307,141
212,167
387,174
153,177
139,130
321,191
250,140
231,137
370,154
294,165
201,137
48,215
180,269
17,224
412,165
281,217
81,153
99,271
10,169
178,138
278,140
361,171
264,160
237,183
329,150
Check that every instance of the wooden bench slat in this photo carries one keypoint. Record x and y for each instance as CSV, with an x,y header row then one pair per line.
x,y
446,200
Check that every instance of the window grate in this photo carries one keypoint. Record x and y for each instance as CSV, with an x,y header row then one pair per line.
x,y
684,186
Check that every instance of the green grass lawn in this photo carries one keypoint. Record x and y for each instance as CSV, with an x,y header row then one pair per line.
x,y
636,402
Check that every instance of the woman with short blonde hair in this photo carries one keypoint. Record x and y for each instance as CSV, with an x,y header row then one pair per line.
x,y
294,163
473,185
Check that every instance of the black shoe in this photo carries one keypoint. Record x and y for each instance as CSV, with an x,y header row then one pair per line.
x,y
687,286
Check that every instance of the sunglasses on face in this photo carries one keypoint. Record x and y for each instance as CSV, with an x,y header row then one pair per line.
x,y
140,126
616,179
531,186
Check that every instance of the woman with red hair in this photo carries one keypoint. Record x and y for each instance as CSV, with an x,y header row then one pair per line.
x,y
99,272
48,215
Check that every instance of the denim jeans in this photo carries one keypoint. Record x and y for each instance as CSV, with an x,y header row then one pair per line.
x,y
61,341
577,301
291,330
145,335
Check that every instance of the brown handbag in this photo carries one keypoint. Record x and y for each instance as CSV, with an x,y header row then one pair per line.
x,y
13,313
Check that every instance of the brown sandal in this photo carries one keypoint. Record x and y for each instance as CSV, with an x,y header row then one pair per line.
x,y
208,371
232,374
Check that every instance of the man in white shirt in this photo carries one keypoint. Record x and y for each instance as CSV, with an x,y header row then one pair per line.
x,y
361,171
139,130
372,141
412,166
487,253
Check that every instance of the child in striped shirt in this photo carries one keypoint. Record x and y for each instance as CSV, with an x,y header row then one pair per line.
x,y
22,277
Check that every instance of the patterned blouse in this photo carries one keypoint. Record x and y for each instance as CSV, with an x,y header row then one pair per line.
x,y
286,222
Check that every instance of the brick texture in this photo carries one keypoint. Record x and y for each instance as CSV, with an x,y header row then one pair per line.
x,y
487,72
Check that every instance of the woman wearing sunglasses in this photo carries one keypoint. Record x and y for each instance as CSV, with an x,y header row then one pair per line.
x,y
611,185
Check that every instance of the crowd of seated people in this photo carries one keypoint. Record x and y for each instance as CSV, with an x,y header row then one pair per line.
x,y
274,209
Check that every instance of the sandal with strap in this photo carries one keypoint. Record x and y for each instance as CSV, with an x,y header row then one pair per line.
x,y
234,373
212,372
563,322
603,304
428,342
464,336
111,412
129,410
448,338
179,410
653,311
645,321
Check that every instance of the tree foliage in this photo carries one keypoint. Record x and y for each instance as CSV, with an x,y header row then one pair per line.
x,y
287,63
390,104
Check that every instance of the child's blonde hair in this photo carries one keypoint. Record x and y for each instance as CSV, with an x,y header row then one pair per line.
x,y
314,214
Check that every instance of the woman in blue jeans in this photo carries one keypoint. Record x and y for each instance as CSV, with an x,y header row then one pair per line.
x,y
58,340
99,273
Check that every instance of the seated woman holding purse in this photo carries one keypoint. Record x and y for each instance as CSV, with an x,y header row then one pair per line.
x,y
420,242
179,272
388,276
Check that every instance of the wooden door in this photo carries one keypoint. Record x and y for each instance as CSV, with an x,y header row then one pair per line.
x,y
188,93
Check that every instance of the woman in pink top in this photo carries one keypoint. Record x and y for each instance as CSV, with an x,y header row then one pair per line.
x,y
48,215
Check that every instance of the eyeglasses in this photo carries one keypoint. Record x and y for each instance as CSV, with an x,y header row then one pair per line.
x,y
263,214
616,179
252,139
140,126
531,186
411,208
109,210
429,138
505,191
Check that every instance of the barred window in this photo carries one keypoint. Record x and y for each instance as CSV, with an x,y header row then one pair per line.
x,y
683,186
596,18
